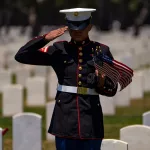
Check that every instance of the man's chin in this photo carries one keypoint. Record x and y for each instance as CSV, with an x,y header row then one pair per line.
x,y
78,39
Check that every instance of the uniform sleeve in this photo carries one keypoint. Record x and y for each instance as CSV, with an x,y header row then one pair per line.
x,y
33,52
106,88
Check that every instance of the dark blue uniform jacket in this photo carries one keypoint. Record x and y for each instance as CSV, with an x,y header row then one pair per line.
x,y
75,115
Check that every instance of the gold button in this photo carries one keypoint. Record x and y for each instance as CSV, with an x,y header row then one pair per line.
x,y
80,75
80,54
79,83
65,61
83,42
80,48
80,60
58,101
80,68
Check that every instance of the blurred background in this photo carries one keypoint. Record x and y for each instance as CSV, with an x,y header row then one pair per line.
x,y
37,13
123,25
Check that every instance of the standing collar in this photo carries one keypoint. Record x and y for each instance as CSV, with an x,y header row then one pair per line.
x,y
81,43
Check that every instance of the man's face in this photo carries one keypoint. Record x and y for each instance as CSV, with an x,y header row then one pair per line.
x,y
80,35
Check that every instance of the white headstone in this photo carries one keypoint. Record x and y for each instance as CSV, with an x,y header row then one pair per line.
x,y
136,62
127,60
12,100
27,131
137,137
49,112
5,78
136,86
22,74
146,74
52,85
108,105
146,118
112,144
12,63
1,139
40,71
122,98
36,91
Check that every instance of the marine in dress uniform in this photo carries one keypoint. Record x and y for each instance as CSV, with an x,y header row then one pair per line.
x,y
77,120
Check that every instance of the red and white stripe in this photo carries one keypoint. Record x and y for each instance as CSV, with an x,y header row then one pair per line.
x,y
44,49
117,72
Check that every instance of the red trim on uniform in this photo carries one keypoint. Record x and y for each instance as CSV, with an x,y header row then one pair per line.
x,y
76,138
103,44
77,100
44,49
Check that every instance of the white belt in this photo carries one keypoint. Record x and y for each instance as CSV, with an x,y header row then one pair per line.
x,y
78,90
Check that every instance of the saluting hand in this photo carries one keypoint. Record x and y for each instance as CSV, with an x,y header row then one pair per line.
x,y
56,33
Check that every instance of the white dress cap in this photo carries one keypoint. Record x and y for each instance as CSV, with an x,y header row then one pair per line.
x,y
78,14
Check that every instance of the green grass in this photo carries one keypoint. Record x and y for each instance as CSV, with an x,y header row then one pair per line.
x,y
112,124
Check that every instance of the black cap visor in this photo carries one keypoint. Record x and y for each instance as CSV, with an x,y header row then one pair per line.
x,y
78,25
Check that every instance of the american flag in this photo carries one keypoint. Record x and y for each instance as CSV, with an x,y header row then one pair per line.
x,y
115,70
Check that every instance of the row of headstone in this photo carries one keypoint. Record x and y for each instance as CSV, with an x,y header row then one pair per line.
x,y
36,91
27,131
22,74
36,94
131,58
13,94
36,85
123,42
27,134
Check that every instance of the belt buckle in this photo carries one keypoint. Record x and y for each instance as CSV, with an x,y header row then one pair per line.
x,y
82,90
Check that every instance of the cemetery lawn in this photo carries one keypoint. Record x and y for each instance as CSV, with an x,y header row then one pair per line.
x,y
124,116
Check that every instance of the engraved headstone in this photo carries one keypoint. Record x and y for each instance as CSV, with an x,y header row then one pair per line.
x,y
137,137
27,131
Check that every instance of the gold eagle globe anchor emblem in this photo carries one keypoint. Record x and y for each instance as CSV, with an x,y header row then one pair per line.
x,y
76,14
